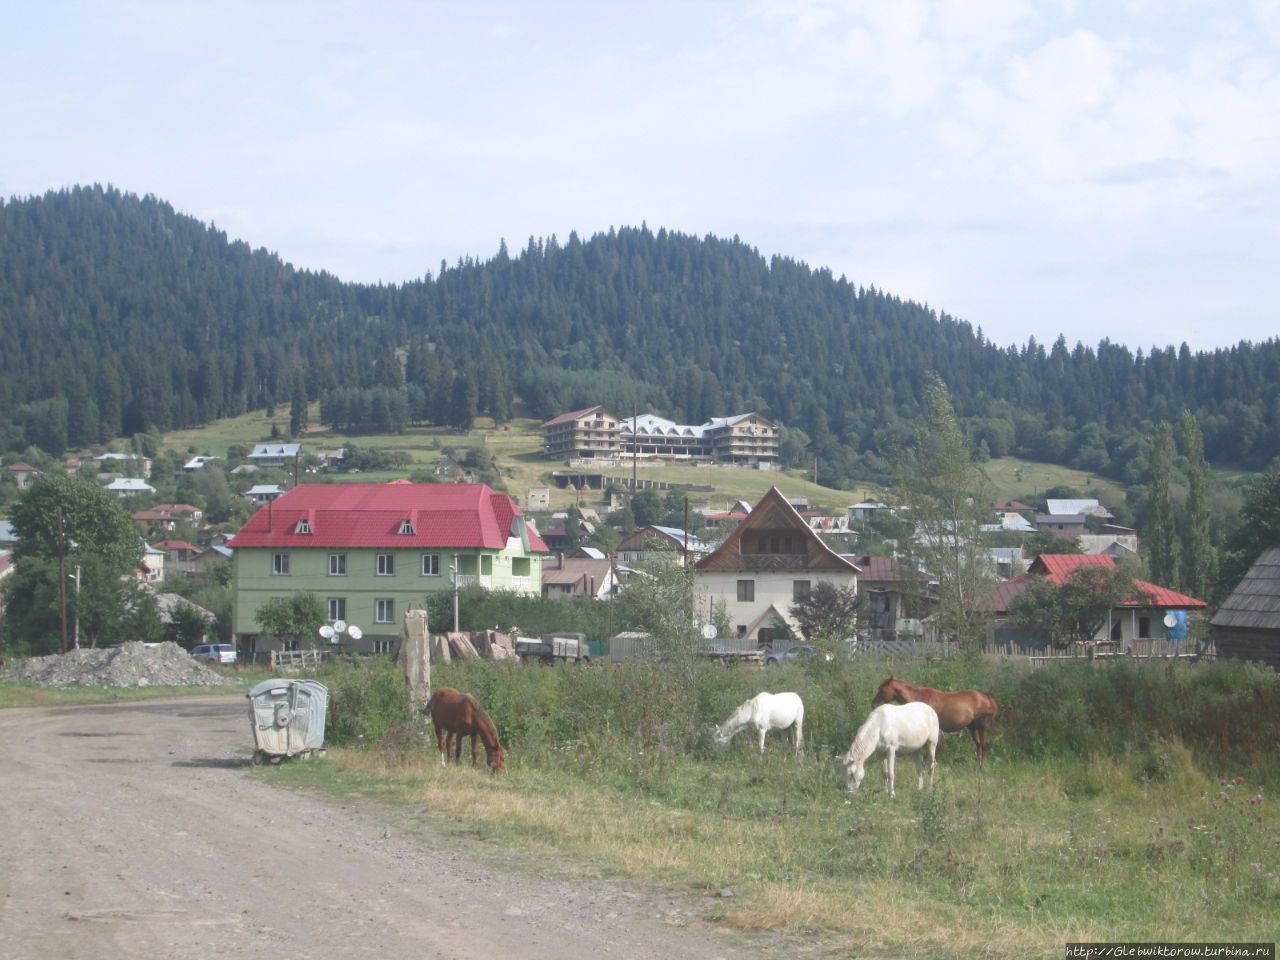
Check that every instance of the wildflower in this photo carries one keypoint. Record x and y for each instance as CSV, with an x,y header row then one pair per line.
x,y
1254,801
1222,782
1257,867
1239,779
1215,804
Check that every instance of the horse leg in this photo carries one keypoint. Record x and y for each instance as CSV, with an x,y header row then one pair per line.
x,y
933,761
474,749
457,747
763,731
800,738
891,758
441,745
918,757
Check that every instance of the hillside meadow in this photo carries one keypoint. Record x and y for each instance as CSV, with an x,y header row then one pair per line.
x,y
1125,801
517,451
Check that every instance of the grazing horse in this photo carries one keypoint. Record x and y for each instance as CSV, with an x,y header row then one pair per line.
x,y
970,710
893,728
765,712
458,715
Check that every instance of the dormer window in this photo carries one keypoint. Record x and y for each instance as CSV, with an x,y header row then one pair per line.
x,y
303,526
406,528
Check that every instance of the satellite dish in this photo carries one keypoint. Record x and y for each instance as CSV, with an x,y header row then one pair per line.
x,y
327,632
1170,620
339,626
709,632
354,632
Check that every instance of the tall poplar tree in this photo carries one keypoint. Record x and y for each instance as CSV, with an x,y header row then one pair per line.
x,y
946,495
1199,565
1161,534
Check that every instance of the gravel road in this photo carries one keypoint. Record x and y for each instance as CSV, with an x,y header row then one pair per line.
x,y
132,831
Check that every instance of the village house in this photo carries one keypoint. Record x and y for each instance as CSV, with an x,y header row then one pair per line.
x,y
23,474
894,598
275,455
654,542
125,487
264,492
1247,625
770,560
127,464
1153,613
371,551
579,575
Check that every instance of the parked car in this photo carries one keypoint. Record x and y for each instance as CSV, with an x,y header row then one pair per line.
x,y
800,651
214,652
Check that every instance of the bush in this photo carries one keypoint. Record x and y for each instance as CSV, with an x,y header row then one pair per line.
x,y
368,702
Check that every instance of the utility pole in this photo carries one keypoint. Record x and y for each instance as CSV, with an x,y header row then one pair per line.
x,y
455,593
62,577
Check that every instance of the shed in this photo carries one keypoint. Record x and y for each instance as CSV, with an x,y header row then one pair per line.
x,y
1247,625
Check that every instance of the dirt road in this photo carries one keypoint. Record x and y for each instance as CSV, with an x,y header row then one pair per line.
x,y
132,831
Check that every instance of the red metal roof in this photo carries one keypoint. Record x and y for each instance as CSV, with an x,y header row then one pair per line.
x,y
465,515
536,543
1058,567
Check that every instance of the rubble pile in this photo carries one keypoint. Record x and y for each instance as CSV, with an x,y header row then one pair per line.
x,y
128,665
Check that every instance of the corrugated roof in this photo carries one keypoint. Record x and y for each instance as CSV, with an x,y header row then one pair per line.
x,y
1255,602
1058,567
468,515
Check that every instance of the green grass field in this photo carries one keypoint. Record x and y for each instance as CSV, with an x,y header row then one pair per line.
x,y
1142,840
517,450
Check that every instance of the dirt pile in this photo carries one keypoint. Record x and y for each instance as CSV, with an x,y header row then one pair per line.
x,y
128,665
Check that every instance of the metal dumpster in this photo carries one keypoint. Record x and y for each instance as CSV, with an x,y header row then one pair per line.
x,y
287,718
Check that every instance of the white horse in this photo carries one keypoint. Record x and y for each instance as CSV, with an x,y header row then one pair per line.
x,y
893,728
765,712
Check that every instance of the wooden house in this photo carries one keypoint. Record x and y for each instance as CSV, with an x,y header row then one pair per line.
x,y
1247,625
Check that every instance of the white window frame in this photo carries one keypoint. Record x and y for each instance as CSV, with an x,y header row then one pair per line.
x,y
280,564
337,564
385,564
337,607
434,563
382,645
384,610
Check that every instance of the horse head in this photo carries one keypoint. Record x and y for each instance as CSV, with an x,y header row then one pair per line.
x,y
888,692
497,759
854,772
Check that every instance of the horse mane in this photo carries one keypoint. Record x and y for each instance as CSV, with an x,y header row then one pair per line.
x,y
487,727
867,737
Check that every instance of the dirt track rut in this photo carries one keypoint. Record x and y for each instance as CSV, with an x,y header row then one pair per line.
x,y
131,831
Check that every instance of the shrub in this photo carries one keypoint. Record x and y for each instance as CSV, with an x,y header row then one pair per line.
x,y
368,702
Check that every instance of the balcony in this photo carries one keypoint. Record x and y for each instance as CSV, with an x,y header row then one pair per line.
x,y
471,580
521,583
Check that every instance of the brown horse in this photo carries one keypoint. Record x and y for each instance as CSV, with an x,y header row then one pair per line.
x,y
970,710
457,715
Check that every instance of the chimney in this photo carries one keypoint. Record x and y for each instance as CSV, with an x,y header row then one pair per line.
x,y
559,559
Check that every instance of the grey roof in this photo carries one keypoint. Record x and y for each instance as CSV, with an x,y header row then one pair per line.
x,y
1255,602
675,533
273,450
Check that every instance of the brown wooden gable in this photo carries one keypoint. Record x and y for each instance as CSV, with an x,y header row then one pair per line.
x,y
774,537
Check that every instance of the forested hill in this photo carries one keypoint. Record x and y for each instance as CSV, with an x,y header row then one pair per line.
x,y
118,315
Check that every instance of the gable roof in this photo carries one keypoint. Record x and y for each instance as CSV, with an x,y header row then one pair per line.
x,y
576,414
874,569
1255,602
463,515
273,450
1058,568
774,513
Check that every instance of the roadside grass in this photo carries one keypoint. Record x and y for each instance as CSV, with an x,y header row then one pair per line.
x,y
1010,864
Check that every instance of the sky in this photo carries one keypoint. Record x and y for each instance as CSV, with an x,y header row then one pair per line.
x,y
1100,170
